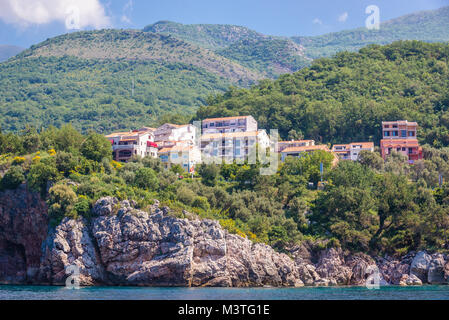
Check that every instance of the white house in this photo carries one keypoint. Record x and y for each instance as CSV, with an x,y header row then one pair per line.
x,y
174,133
352,151
126,145
229,124
188,157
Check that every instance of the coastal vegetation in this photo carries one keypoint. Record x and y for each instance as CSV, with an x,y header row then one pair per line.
x,y
371,205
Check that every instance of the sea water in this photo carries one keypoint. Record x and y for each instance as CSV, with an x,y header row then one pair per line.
x,y
128,293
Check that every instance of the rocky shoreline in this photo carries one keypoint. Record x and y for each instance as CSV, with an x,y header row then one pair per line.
x,y
124,246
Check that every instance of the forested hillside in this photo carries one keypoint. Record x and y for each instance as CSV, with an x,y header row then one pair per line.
x,y
429,26
139,46
344,99
271,57
98,94
210,36
268,55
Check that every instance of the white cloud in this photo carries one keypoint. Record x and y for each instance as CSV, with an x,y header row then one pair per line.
x,y
75,14
317,21
343,17
127,12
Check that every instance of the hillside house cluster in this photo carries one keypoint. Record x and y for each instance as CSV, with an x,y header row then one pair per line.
x,y
231,139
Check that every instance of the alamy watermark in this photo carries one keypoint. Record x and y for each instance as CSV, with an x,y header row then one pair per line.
x,y
373,21
73,279
73,17
373,280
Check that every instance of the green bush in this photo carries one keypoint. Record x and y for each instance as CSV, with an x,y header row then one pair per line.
x,y
13,178
61,202
40,174
185,195
146,179
201,202
82,206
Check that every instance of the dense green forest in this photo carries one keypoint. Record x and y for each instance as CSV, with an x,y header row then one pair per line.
x,y
370,206
98,94
346,98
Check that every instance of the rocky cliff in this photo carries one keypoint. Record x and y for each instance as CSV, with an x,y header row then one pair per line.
x,y
122,245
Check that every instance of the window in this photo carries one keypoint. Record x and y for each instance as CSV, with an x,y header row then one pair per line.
x,y
404,149
237,152
387,133
411,133
403,133
394,133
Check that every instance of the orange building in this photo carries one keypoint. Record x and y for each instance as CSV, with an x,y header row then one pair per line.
x,y
401,137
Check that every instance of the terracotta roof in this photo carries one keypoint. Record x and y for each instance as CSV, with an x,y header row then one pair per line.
x,y
305,149
226,118
214,136
129,134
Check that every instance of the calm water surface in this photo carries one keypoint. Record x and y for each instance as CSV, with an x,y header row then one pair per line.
x,y
126,293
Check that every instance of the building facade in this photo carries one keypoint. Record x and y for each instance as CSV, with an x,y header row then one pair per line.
x,y
352,151
188,157
239,146
175,133
137,143
401,137
229,125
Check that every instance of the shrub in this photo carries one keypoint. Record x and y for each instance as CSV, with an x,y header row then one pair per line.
x,y
65,162
201,202
61,202
18,160
13,178
82,206
40,174
146,179
185,195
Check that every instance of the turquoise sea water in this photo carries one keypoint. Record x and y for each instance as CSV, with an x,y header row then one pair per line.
x,y
127,293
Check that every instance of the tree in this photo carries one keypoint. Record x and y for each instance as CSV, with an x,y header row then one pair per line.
x,y
209,174
371,159
146,179
295,135
96,147
31,139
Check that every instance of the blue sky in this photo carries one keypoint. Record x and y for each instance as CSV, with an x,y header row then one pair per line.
x,y
24,23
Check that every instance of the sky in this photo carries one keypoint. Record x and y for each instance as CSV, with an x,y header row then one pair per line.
x,y
27,22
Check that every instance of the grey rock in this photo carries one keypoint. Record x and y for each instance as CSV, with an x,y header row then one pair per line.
x,y
420,265
436,271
